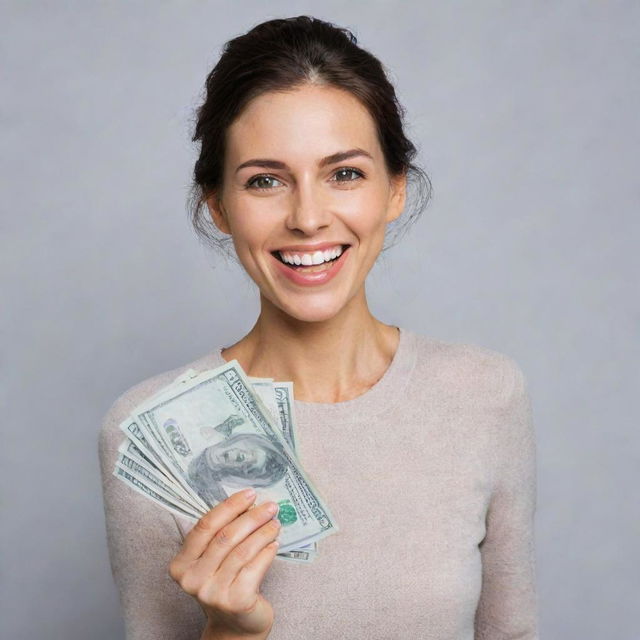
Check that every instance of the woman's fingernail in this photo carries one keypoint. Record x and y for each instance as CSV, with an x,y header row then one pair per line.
x,y
249,493
272,508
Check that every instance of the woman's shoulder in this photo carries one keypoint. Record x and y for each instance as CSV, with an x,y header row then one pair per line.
x,y
466,364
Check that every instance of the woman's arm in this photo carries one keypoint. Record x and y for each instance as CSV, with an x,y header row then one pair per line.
x,y
142,539
508,603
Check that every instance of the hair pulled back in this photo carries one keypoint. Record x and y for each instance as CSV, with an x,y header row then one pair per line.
x,y
280,55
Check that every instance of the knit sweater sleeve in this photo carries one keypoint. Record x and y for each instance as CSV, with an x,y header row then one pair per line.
x,y
142,537
507,609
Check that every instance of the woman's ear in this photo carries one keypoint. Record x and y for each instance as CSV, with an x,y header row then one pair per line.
x,y
397,196
218,214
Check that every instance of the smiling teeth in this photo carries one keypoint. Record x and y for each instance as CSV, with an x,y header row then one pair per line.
x,y
308,259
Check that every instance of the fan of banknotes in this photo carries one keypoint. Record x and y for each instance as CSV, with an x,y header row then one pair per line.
x,y
209,434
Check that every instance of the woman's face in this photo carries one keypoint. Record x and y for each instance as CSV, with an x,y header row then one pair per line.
x,y
282,192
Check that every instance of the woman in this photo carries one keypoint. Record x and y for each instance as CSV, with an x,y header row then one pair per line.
x,y
423,449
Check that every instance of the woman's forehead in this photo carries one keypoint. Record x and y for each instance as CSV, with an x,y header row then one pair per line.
x,y
301,127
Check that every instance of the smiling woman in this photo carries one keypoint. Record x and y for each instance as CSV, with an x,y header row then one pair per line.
x,y
325,56
311,200
424,449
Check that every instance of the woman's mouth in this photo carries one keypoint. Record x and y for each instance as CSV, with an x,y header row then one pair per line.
x,y
306,268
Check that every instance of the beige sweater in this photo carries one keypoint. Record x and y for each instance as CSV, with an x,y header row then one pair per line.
x,y
431,477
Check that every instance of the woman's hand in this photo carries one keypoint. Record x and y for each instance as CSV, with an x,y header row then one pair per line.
x,y
223,561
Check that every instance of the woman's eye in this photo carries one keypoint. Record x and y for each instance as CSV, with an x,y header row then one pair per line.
x,y
347,171
258,179
258,182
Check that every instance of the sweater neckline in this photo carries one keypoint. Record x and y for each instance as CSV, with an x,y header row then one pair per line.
x,y
381,396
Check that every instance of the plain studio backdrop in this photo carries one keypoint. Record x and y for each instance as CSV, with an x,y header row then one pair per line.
x,y
526,118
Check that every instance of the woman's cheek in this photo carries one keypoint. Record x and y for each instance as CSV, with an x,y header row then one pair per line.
x,y
248,232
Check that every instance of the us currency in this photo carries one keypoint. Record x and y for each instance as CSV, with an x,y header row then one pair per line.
x,y
144,444
143,488
150,483
213,434
283,392
136,450
217,436
278,399
139,467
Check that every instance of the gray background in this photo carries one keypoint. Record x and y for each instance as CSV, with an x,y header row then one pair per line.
x,y
525,114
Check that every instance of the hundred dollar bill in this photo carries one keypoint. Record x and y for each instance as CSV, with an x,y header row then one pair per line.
x,y
145,443
153,476
278,399
152,482
217,436
264,388
136,445
283,392
284,402
156,477
142,488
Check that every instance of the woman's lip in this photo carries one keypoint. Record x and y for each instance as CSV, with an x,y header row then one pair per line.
x,y
314,278
320,246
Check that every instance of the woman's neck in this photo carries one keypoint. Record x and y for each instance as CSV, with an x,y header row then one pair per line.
x,y
327,361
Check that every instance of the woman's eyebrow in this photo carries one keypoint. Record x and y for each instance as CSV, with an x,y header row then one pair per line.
x,y
332,159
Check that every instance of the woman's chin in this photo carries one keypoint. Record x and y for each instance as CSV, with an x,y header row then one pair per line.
x,y
308,312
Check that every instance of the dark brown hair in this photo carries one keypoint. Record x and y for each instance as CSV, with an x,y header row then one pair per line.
x,y
280,55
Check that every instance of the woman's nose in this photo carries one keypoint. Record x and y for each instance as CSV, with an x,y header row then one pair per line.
x,y
309,211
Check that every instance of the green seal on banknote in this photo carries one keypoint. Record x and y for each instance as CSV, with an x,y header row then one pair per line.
x,y
287,513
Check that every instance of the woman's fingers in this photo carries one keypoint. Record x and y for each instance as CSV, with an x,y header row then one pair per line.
x,y
225,541
251,575
235,532
242,595
246,552
198,539
227,538
224,558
